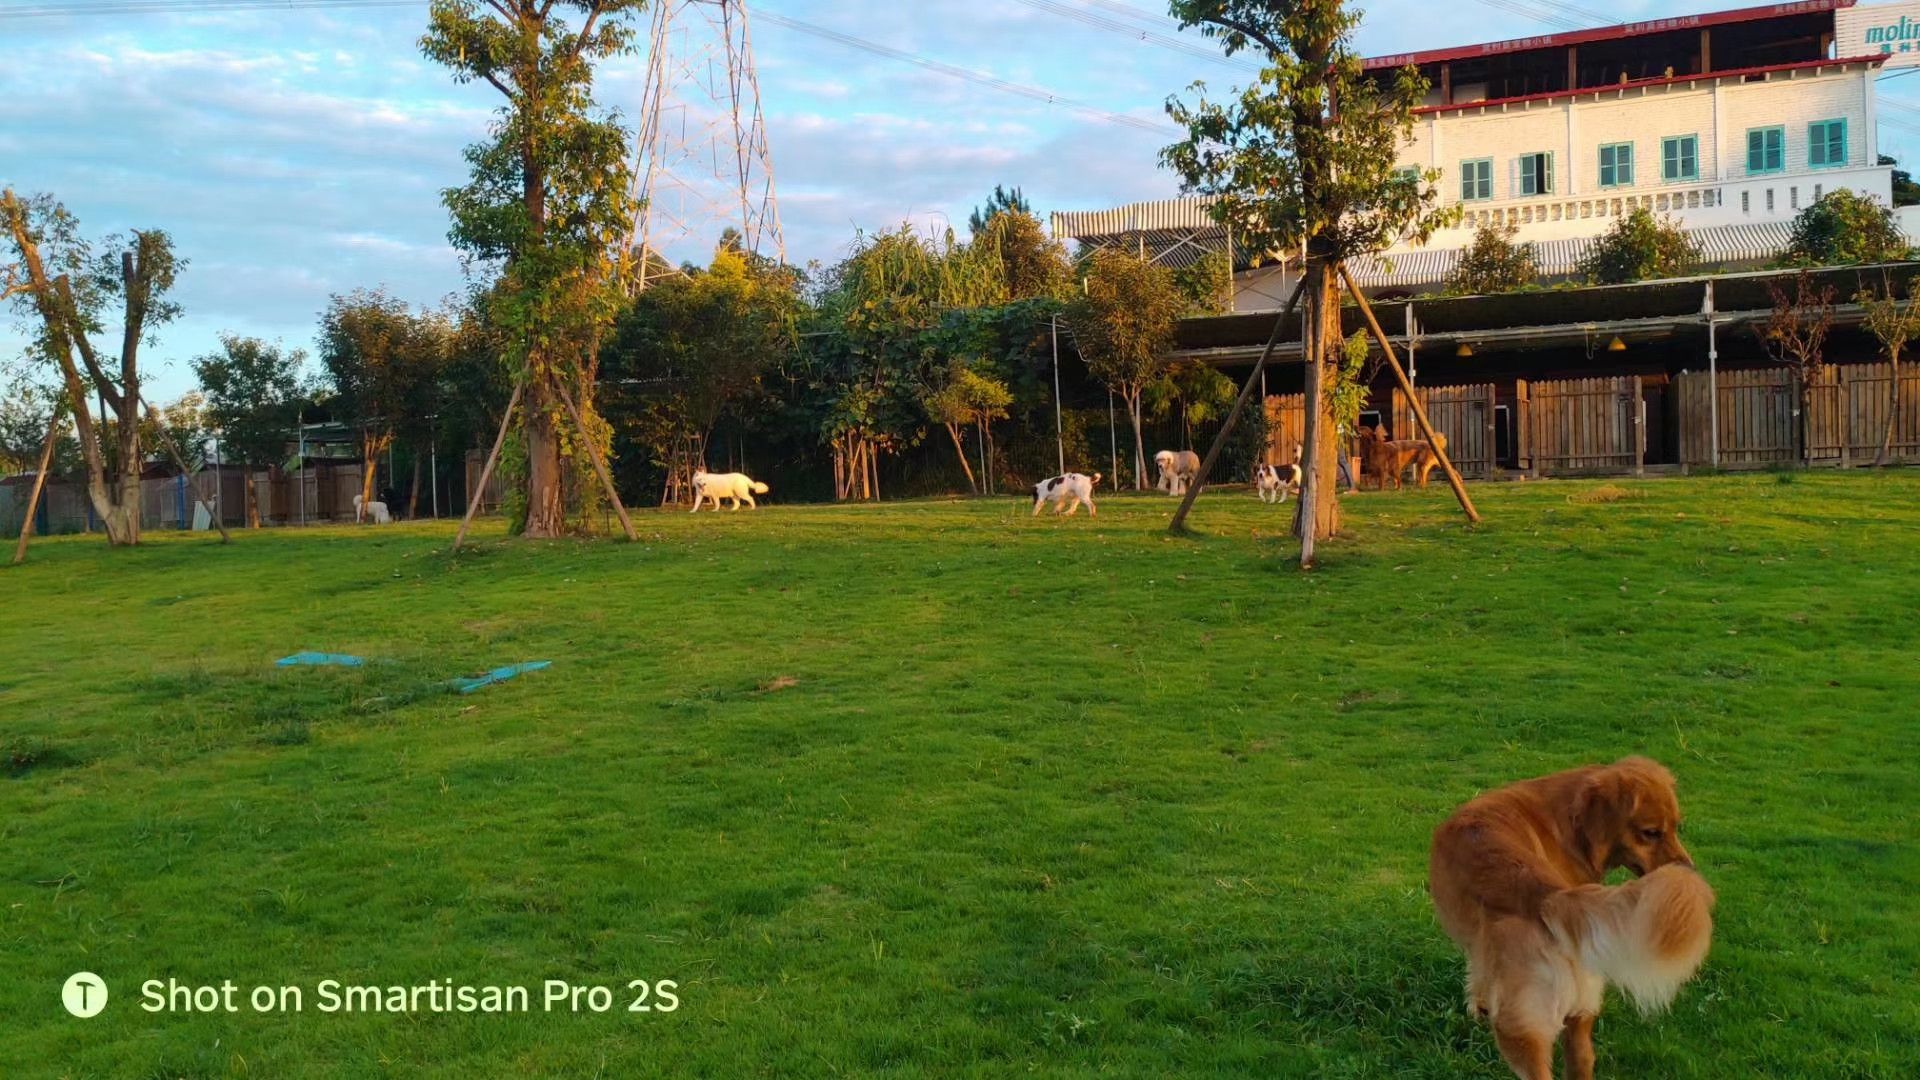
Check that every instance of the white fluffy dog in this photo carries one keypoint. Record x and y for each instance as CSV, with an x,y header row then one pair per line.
x,y
1272,482
1177,470
1071,489
362,510
732,485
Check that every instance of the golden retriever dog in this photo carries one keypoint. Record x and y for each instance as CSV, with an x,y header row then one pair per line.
x,y
1387,459
1516,881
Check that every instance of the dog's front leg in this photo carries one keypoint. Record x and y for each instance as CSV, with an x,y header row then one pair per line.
x,y
1576,1046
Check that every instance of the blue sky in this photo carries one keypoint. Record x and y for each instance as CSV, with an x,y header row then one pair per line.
x,y
295,153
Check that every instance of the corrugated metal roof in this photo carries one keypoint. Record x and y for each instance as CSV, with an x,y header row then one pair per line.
x,y
1091,226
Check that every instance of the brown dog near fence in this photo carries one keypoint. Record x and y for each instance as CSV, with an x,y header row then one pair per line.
x,y
1387,459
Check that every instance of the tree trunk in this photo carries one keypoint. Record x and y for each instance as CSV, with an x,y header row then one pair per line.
x,y
249,499
1139,441
369,472
1806,422
1318,514
546,498
960,451
413,493
1893,415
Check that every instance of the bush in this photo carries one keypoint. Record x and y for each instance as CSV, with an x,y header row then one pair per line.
x,y
1844,227
1638,247
1493,263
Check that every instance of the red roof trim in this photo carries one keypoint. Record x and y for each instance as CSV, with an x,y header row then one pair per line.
x,y
1606,33
1550,95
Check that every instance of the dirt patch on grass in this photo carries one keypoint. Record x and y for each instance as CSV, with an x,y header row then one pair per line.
x,y
1605,493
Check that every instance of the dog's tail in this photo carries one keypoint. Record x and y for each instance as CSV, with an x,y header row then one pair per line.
x,y
1647,936
759,488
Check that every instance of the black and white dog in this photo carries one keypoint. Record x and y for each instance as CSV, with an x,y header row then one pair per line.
x,y
1272,482
1070,489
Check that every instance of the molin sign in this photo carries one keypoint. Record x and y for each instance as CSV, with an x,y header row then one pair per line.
x,y
1889,30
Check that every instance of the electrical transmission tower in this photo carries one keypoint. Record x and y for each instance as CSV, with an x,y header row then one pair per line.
x,y
703,162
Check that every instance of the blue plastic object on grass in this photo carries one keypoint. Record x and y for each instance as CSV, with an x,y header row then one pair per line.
x,y
319,659
497,675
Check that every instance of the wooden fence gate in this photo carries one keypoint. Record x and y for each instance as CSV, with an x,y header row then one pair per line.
x,y
1847,417
1464,414
1583,425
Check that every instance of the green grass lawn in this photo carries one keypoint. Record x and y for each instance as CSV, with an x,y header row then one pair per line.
x,y
934,788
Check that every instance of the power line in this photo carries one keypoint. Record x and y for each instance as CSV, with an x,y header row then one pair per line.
x,y
979,77
187,7
1148,37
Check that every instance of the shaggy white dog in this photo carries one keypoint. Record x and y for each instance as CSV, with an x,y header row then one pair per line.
x,y
362,510
716,486
1071,488
1177,470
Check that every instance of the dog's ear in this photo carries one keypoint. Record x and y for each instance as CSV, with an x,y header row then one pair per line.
x,y
1601,809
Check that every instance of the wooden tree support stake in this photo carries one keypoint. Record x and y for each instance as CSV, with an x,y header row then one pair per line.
x,y
599,463
486,470
1179,523
180,462
39,480
1413,401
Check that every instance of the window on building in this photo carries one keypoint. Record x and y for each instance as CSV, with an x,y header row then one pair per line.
x,y
1746,202
1476,179
1769,200
1536,174
1826,143
1766,150
1616,165
1407,174
1793,197
1680,158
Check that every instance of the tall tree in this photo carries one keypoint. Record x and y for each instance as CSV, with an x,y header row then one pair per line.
x,y
697,345
1795,334
371,347
1034,264
1288,171
71,291
548,209
1123,326
1893,323
878,303
252,391
1001,201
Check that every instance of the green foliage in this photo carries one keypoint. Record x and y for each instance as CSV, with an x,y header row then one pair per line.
x,y
1207,283
1493,263
1281,165
1002,201
1032,264
1845,228
252,390
694,346
374,350
1892,322
1350,383
1639,247
1905,191
1123,323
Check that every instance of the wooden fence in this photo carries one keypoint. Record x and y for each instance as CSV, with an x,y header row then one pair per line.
x,y
1464,414
1286,426
1583,426
1759,425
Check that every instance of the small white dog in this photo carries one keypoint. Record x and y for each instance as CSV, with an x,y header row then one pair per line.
x,y
362,510
1270,481
716,486
1177,470
1070,488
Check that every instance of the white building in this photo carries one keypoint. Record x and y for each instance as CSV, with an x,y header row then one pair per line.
x,y
1730,121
